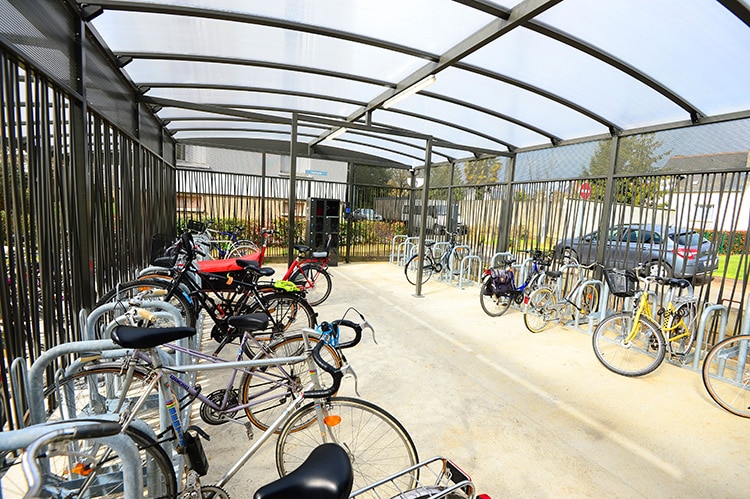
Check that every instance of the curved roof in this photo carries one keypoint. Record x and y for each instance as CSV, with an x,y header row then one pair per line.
x,y
500,76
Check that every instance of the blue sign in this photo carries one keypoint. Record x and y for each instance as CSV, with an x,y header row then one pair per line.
x,y
317,172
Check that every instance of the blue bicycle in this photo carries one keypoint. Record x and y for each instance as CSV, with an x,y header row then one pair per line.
x,y
499,288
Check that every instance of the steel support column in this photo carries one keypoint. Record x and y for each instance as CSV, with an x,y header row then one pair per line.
x,y
423,214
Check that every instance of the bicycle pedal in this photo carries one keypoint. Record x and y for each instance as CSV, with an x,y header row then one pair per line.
x,y
249,431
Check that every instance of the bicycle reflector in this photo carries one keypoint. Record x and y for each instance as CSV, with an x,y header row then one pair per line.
x,y
332,420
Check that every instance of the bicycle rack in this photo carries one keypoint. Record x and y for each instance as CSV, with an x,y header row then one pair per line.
x,y
494,260
124,447
452,269
395,245
700,334
466,264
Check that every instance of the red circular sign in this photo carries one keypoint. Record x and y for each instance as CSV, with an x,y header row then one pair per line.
x,y
585,190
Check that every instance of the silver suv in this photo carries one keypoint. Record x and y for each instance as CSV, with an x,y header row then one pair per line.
x,y
666,251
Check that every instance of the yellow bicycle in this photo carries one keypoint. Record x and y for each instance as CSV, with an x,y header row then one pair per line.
x,y
635,343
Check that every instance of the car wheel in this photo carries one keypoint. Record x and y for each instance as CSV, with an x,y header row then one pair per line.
x,y
659,269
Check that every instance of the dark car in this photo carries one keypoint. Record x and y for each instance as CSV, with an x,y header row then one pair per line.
x,y
665,251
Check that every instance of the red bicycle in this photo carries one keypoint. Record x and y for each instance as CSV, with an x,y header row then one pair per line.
x,y
309,271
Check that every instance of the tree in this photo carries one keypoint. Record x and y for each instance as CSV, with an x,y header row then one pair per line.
x,y
482,171
637,155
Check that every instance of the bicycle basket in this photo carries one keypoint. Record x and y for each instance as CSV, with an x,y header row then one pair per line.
x,y
621,283
196,225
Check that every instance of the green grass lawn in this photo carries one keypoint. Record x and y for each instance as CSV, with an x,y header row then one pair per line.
x,y
734,270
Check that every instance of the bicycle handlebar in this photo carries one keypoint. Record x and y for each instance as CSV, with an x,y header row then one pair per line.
x,y
335,373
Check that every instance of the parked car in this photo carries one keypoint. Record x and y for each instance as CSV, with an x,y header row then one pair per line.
x,y
366,214
666,251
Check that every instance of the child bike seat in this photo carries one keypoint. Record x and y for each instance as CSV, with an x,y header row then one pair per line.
x,y
325,474
320,254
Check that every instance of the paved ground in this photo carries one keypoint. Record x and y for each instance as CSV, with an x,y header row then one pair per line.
x,y
526,415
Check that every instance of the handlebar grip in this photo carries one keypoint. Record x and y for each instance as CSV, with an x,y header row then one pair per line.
x,y
97,429
337,376
357,332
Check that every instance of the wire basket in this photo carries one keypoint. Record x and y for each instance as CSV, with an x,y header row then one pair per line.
x,y
621,283
431,479
196,226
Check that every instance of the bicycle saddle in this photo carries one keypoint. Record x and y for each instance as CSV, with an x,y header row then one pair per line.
x,y
249,322
149,337
302,249
252,266
674,282
325,474
554,274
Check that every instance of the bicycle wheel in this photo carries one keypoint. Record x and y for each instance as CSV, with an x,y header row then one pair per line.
x,y
288,312
589,299
97,390
539,310
681,327
241,250
378,445
316,282
154,289
492,304
726,374
412,267
272,388
642,355
89,468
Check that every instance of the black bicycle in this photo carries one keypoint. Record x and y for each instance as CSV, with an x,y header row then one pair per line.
x,y
434,264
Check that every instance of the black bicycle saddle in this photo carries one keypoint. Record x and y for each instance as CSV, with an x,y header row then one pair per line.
x,y
325,474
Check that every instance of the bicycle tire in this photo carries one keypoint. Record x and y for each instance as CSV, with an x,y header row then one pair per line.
x,y
726,374
378,445
315,281
412,267
68,464
681,327
121,294
538,311
95,390
492,304
288,312
241,250
642,356
589,300
276,386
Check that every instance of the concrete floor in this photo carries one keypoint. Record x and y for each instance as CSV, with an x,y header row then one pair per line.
x,y
526,415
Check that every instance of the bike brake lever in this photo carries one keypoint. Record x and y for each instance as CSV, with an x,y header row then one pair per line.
x,y
366,325
347,370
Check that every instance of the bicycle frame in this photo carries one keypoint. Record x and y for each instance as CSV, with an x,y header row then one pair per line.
x,y
644,309
172,402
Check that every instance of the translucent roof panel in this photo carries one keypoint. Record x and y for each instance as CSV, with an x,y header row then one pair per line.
x,y
577,77
669,40
134,32
210,73
371,19
509,74
255,100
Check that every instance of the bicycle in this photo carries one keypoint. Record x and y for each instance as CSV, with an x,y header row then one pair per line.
x,y
221,244
373,437
260,396
220,295
726,374
309,271
633,343
431,263
546,305
495,301
327,474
